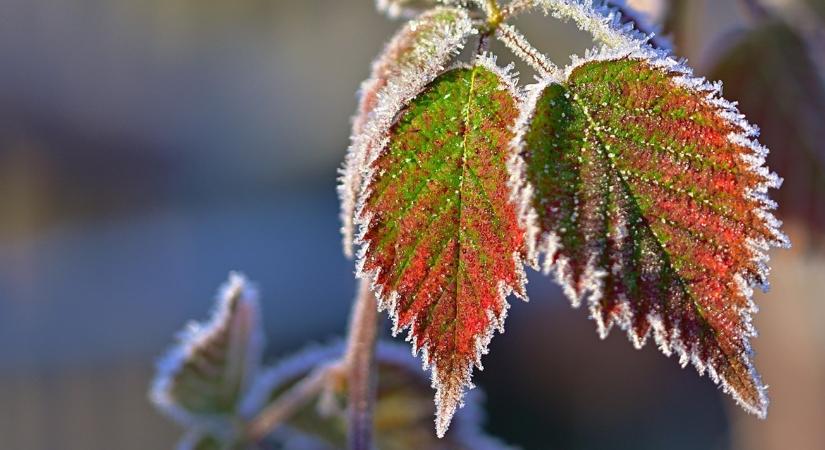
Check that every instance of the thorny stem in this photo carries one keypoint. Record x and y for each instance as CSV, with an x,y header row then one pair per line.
x,y
357,363
516,42
360,363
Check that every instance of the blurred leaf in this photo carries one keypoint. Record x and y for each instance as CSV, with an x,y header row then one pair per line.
x,y
651,203
203,378
770,72
403,411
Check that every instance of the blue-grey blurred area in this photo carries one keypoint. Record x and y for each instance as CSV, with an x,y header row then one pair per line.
x,y
148,147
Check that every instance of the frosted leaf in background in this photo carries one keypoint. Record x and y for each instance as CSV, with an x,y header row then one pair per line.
x,y
201,380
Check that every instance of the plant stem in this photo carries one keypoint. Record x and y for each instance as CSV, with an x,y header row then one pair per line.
x,y
290,402
360,363
494,16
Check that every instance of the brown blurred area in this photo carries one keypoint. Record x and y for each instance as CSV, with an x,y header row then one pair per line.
x,y
147,147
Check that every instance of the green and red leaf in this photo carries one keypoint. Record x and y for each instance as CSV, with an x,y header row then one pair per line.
x,y
413,58
650,197
443,241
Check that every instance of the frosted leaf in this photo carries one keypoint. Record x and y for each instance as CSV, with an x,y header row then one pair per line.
x,y
202,379
413,58
650,198
441,238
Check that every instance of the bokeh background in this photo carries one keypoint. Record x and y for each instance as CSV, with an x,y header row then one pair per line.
x,y
148,147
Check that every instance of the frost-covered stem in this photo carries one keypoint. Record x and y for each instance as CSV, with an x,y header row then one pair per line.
x,y
494,16
360,363
483,44
516,42
290,402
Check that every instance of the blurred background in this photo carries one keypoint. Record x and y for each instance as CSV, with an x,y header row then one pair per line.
x,y
148,147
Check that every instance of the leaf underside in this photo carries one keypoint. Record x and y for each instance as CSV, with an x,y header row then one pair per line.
x,y
205,376
412,59
442,235
651,206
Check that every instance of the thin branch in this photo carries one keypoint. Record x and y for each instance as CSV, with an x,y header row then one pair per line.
x,y
483,44
491,8
357,363
291,401
360,363
516,42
